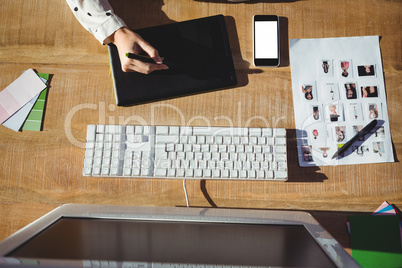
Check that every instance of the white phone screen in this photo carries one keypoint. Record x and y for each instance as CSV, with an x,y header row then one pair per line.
x,y
266,39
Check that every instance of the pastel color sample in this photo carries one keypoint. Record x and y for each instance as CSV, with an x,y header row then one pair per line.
x,y
19,93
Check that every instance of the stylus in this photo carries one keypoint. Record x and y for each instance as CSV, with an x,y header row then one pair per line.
x,y
360,134
140,57
150,60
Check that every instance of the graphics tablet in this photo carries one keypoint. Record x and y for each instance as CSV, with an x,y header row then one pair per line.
x,y
198,55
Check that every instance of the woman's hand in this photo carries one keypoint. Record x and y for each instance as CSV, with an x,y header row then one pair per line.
x,y
127,41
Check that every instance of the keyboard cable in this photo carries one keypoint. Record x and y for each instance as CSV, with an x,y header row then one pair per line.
x,y
185,192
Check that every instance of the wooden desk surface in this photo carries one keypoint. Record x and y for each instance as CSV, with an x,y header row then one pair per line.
x,y
41,170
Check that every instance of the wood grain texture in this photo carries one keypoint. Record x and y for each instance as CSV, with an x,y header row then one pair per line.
x,y
41,170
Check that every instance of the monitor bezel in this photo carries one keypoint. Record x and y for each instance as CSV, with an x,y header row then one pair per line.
x,y
179,214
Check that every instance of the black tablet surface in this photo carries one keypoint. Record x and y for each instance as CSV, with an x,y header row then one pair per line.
x,y
198,55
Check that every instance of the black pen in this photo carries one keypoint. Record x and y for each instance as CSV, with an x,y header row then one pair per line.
x,y
360,134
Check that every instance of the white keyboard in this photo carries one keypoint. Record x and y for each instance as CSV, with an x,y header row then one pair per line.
x,y
174,152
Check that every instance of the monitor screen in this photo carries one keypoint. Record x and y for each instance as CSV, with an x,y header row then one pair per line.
x,y
189,242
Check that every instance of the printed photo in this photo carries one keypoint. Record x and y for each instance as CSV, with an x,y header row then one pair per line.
x,y
366,70
309,92
345,68
354,112
378,147
334,112
360,150
356,130
317,134
338,146
325,68
317,113
307,153
380,132
350,91
329,92
373,111
340,134
369,91
325,151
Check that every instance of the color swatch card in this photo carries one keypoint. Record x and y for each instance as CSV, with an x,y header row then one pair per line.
x,y
385,209
19,93
34,120
16,121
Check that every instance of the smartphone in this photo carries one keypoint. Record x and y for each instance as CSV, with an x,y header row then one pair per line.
x,y
266,40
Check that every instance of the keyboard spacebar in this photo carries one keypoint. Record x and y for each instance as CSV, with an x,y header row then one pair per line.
x,y
139,146
223,131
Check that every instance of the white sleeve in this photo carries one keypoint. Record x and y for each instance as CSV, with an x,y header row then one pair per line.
x,y
97,17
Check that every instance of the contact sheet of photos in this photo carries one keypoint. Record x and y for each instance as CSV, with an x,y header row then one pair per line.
x,y
338,88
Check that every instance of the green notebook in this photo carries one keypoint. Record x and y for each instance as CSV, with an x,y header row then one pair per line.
x,y
376,240
35,117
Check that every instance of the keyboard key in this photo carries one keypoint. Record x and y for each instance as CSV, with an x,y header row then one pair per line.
x,y
280,158
90,145
88,162
281,174
280,141
105,171
172,173
252,174
201,139
136,172
267,132
87,171
280,149
198,173
256,132
207,173
269,174
282,166
166,139
273,166
243,174
162,130
225,173
173,130
216,173
91,132
146,130
144,172
187,131
207,131
97,161
236,140
180,172
234,173
279,132
189,173
160,172
138,130
130,130
96,171
127,171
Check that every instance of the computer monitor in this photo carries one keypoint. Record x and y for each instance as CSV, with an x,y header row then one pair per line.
x,y
94,235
